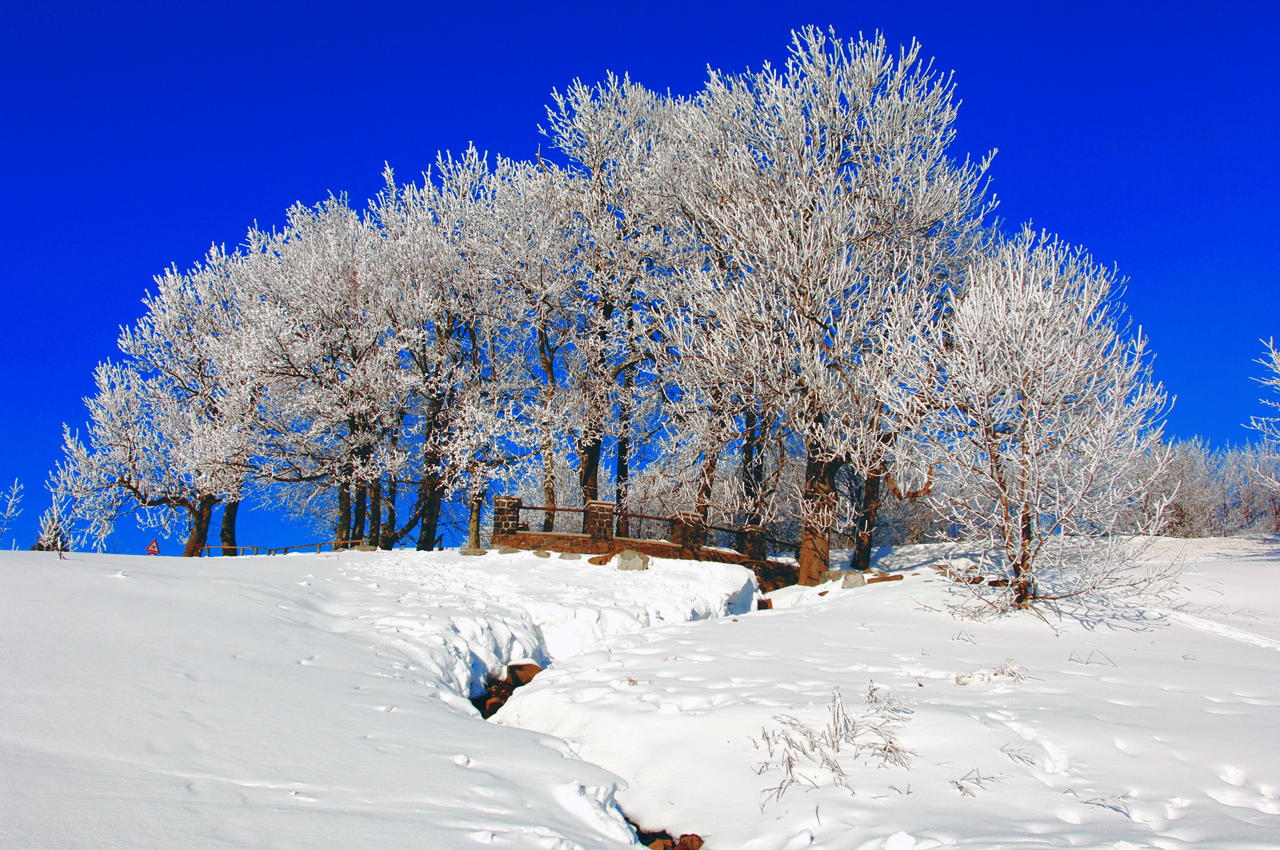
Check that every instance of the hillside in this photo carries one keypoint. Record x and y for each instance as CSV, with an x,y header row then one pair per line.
x,y
321,701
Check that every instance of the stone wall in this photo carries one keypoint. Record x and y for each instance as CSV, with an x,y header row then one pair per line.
x,y
688,540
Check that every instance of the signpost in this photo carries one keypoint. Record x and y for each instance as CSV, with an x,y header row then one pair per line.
x,y
153,548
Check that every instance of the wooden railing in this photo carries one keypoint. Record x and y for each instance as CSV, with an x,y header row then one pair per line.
x,y
209,551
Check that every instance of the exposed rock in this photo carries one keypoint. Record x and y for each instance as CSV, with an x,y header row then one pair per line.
x,y
764,604
495,696
663,840
498,691
473,552
845,577
883,577
542,553
569,556
522,674
599,560
630,559
508,550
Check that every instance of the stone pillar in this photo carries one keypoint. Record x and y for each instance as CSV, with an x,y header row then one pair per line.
x,y
506,518
751,542
597,520
688,530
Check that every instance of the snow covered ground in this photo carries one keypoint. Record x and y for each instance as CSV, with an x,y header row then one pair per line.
x,y
320,701
1139,729
306,701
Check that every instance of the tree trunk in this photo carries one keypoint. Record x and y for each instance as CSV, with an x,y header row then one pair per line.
x,y
819,512
228,531
868,510
375,514
358,512
201,513
752,466
546,354
623,523
342,528
1023,577
706,483
473,521
548,487
389,536
430,497
589,468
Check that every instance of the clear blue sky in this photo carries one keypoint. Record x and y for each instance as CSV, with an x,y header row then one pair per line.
x,y
133,135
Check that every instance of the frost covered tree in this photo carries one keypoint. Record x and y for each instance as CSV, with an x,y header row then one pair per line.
x,y
1046,411
1191,489
1269,426
191,341
171,427
322,311
10,506
142,455
52,530
826,192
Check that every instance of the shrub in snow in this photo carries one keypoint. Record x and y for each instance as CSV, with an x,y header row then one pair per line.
x,y
806,754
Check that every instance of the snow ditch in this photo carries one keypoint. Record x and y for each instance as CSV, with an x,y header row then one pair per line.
x,y
309,702
512,616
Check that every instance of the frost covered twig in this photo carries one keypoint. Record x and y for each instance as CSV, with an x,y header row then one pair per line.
x,y
794,746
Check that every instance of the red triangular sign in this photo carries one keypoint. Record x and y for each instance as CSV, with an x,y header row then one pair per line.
x,y
153,548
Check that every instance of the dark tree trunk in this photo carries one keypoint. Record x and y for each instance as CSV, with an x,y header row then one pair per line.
x,y
623,523
430,498
752,466
589,468
546,354
228,531
819,511
358,512
342,528
201,513
389,536
375,514
868,510
706,484
473,521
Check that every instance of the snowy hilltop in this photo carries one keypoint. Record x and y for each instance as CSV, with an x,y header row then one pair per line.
x,y
324,701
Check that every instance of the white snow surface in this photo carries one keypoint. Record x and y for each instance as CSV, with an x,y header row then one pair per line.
x,y
307,701
1138,727
320,701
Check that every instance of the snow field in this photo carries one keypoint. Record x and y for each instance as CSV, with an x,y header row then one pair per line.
x,y
1138,728
307,701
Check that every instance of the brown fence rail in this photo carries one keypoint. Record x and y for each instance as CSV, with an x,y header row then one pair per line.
x,y
209,551
780,543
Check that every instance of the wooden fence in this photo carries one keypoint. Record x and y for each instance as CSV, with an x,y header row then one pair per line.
x,y
209,551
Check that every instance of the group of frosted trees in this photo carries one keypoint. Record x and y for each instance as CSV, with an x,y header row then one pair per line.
x,y
777,302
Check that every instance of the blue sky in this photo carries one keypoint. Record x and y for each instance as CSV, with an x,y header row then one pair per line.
x,y
136,134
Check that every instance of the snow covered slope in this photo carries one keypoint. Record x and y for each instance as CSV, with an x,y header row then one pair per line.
x,y
306,701
1139,728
